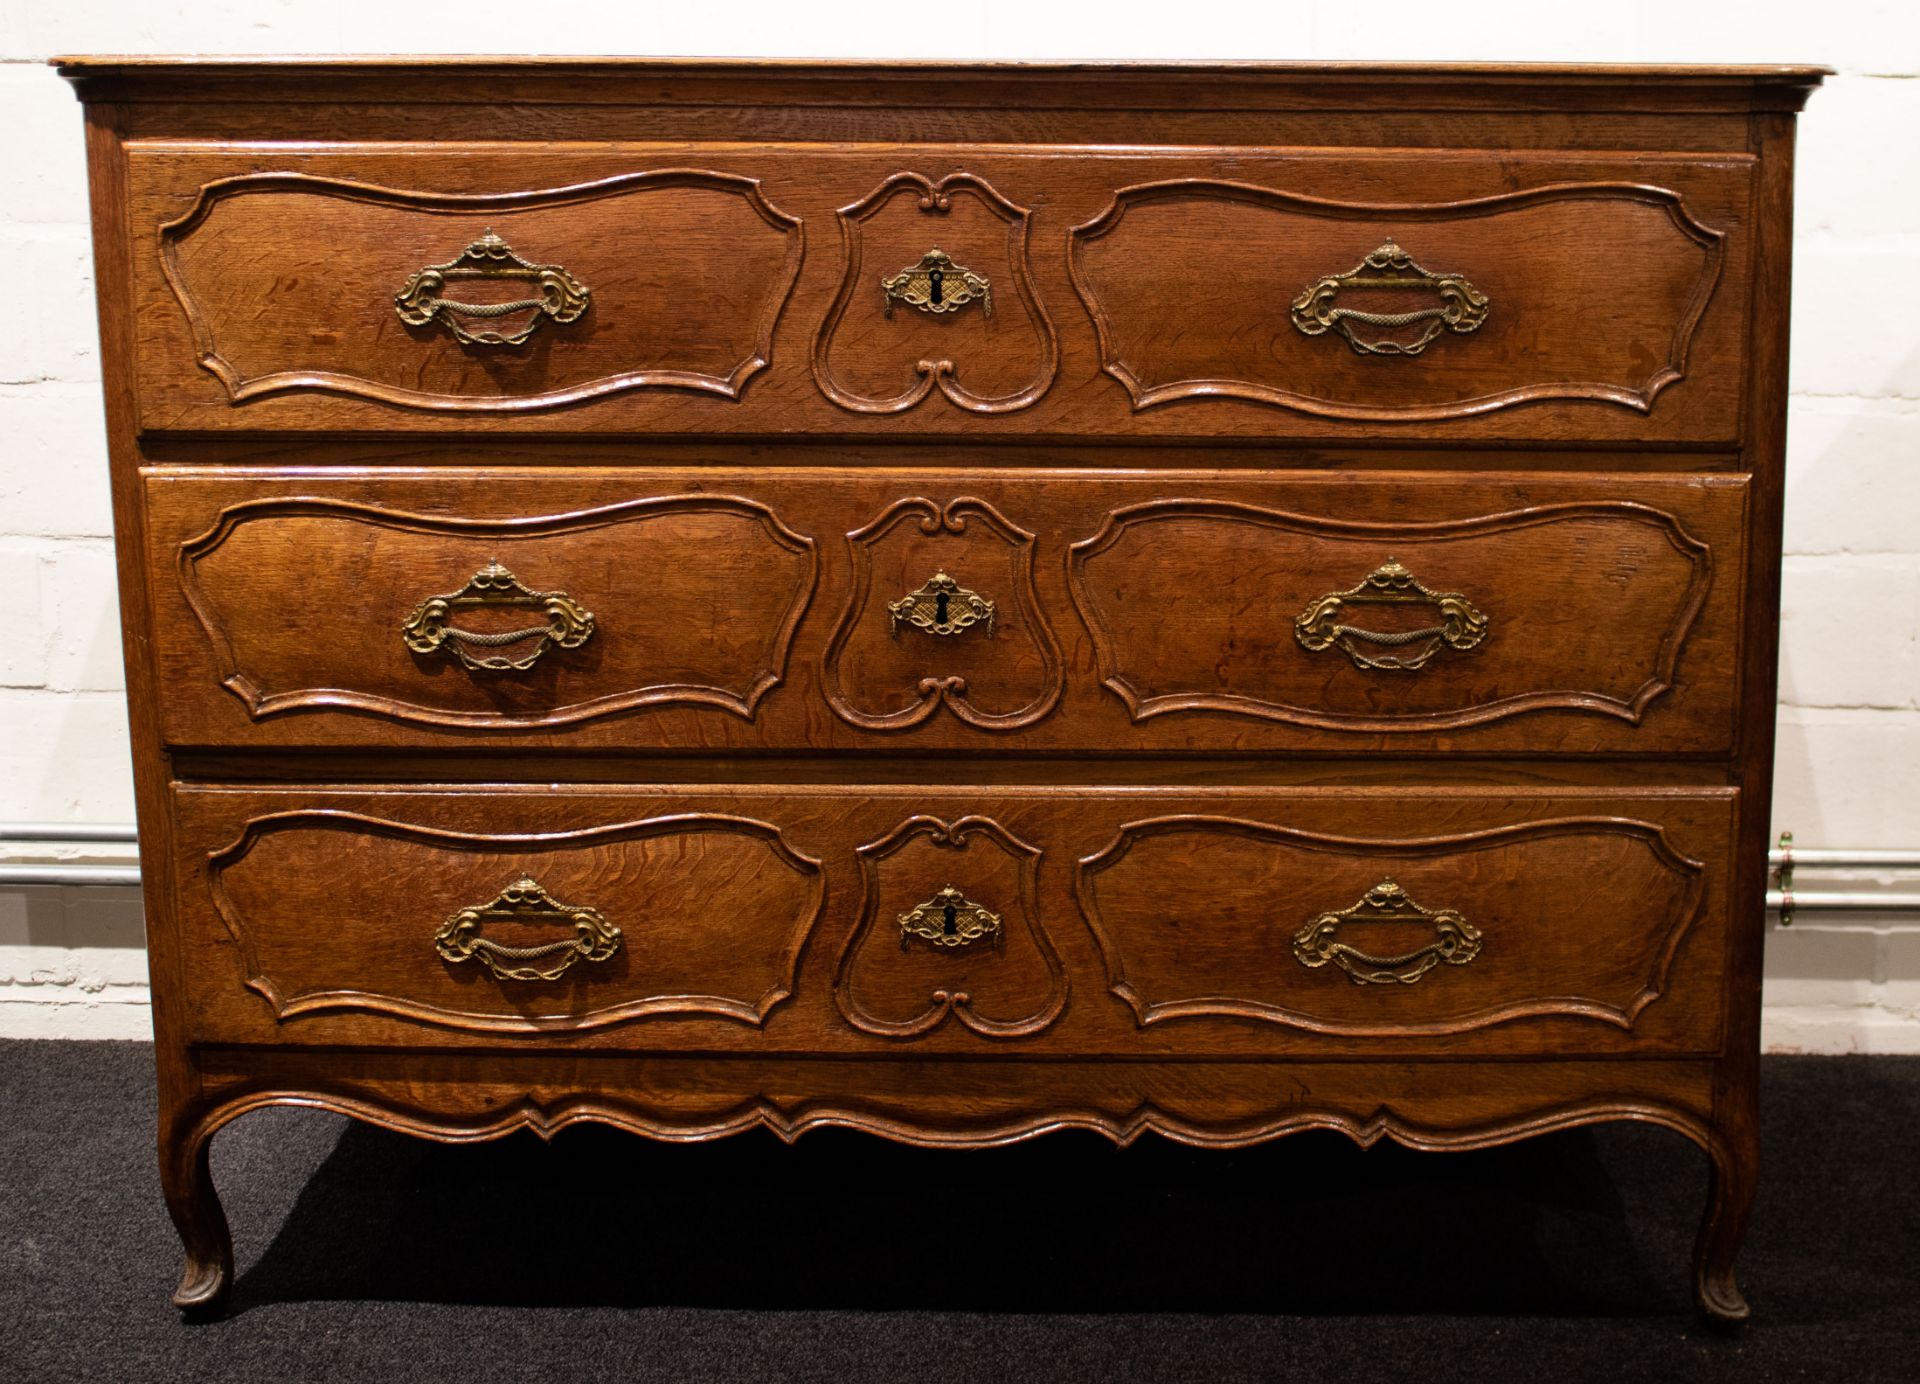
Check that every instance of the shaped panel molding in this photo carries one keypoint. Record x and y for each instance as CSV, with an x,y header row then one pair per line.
x,y
334,911
304,602
1006,352
1597,291
942,612
1200,917
289,283
987,963
1196,606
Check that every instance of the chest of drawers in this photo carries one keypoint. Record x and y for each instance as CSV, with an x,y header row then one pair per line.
x,y
1194,601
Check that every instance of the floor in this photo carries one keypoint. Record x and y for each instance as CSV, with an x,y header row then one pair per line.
x,y
369,1256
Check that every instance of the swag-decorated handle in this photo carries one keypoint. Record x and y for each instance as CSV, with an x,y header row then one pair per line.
x,y
557,295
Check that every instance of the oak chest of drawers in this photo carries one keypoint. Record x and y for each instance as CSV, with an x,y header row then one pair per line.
x,y
1205,601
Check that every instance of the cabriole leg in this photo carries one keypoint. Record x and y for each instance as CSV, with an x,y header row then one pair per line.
x,y
1735,1156
187,1181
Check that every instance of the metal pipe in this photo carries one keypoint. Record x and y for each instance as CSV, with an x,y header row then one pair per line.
x,y
1846,860
1864,903
70,874
63,832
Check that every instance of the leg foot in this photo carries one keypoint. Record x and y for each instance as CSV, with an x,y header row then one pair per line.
x,y
1729,1203
187,1181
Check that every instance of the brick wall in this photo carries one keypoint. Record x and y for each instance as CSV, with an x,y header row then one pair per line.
x,y
1850,701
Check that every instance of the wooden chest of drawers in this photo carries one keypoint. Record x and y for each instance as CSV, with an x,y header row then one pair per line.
x,y
1206,601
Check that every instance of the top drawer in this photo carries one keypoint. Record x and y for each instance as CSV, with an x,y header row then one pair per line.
x,y
895,290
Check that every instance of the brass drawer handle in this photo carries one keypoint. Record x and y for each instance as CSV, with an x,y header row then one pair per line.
x,y
426,630
941,606
560,296
1455,941
950,920
936,285
1461,307
524,901
1462,625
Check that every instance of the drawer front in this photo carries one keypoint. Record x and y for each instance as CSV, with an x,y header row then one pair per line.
x,y
917,288
988,610
1061,921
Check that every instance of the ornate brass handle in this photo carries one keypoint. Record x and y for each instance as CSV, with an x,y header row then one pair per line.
x,y
941,606
524,901
936,285
1461,307
426,630
560,296
1461,626
949,919
1455,941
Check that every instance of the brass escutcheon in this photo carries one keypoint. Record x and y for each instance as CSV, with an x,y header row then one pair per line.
x,y
936,285
1455,941
949,919
941,606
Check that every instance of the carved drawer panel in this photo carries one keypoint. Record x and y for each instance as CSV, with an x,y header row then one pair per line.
x,y
420,611
985,962
544,293
998,611
1064,920
882,289
988,657
1401,310
1413,923
971,329
1409,608
489,915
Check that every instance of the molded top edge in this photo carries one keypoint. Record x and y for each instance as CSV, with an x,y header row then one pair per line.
x,y
767,81
82,64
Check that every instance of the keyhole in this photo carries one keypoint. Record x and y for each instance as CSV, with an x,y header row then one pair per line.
x,y
940,609
952,921
934,280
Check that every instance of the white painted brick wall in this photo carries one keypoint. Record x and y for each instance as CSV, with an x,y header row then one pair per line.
x,y
1850,714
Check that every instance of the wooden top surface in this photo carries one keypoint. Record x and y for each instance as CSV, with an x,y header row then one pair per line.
x,y
584,79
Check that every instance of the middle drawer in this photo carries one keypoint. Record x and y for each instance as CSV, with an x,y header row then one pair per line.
x,y
782,609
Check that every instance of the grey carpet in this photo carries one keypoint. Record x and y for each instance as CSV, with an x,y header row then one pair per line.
x,y
369,1256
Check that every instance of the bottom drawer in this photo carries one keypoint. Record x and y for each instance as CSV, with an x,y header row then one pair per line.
x,y
1064,921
